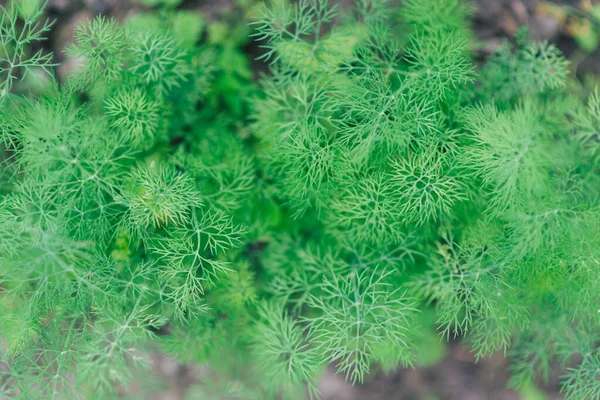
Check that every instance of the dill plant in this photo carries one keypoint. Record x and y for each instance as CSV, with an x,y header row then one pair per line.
x,y
117,216
383,173
414,177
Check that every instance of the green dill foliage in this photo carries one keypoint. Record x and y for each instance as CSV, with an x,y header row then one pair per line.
x,y
410,178
374,177
21,27
111,230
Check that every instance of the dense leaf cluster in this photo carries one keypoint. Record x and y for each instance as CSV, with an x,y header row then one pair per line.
x,y
117,216
157,197
474,189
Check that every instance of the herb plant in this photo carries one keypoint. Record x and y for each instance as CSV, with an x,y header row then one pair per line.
x,y
415,177
118,213
378,171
